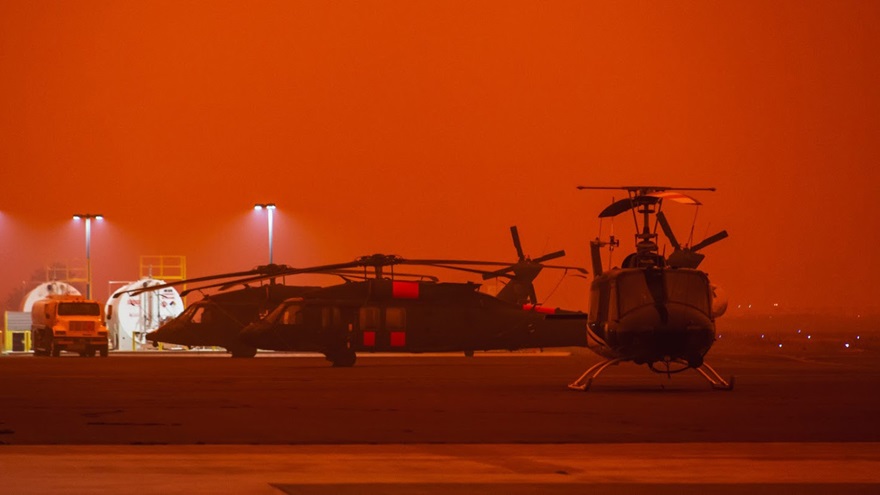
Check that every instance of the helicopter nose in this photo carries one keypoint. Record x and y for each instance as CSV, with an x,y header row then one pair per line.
x,y
675,330
168,333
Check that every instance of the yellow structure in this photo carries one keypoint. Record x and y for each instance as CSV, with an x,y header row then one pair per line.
x,y
163,267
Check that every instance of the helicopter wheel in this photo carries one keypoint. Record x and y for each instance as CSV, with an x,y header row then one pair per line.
x,y
344,358
243,352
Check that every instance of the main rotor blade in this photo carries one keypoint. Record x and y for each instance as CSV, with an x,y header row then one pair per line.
x,y
550,256
433,262
368,261
516,243
499,273
710,240
617,207
565,267
503,272
195,280
469,270
664,224
677,197
648,189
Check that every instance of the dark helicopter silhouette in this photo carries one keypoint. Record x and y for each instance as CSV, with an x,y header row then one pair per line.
x,y
653,310
218,319
388,315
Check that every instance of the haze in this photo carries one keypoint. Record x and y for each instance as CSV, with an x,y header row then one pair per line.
x,y
427,129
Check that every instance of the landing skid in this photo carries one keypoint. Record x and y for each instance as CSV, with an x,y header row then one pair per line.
x,y
714,378
584,381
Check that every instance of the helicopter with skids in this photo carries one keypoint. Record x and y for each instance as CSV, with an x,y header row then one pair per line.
x,y
654,310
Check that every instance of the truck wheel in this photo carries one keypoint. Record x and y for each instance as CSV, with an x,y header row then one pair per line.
x,y
104,351
54,349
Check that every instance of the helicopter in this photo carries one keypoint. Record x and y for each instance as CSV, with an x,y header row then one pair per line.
x,y
219,318
654,310
382,314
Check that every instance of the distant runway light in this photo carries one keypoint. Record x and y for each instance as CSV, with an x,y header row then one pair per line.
x,y
846,345
780,346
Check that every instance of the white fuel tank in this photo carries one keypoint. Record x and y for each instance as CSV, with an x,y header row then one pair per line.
x,y
131,317
46,289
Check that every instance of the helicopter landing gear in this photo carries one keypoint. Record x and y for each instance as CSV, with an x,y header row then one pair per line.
x,y
584,381
344,358
714,378
243,351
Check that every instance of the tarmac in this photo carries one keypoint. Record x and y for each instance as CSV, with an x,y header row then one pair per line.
x,y
799,421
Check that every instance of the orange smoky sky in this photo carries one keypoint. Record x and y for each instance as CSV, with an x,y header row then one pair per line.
x,y
427,129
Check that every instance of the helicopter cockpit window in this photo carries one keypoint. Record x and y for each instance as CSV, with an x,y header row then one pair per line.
x,y
198,314
292,315
632,292
690,288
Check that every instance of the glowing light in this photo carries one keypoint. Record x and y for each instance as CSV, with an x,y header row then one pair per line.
x,y
270,207
88,218
762,335
808,337
780,346
858,337
846,345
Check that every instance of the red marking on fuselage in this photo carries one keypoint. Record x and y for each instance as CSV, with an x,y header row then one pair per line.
x,y
369,339
404,290
539,309
398,339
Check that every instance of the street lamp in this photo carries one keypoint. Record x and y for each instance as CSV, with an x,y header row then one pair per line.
x,y
269,207
88,218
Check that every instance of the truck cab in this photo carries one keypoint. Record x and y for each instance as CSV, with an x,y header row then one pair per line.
x,y
68,323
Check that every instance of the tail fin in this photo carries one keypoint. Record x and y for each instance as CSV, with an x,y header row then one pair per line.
x,y
519,289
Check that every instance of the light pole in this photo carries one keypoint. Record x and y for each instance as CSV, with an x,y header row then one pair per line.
x,y
88,218
269,207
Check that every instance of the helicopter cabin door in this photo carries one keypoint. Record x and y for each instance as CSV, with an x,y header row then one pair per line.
x,y
382,328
